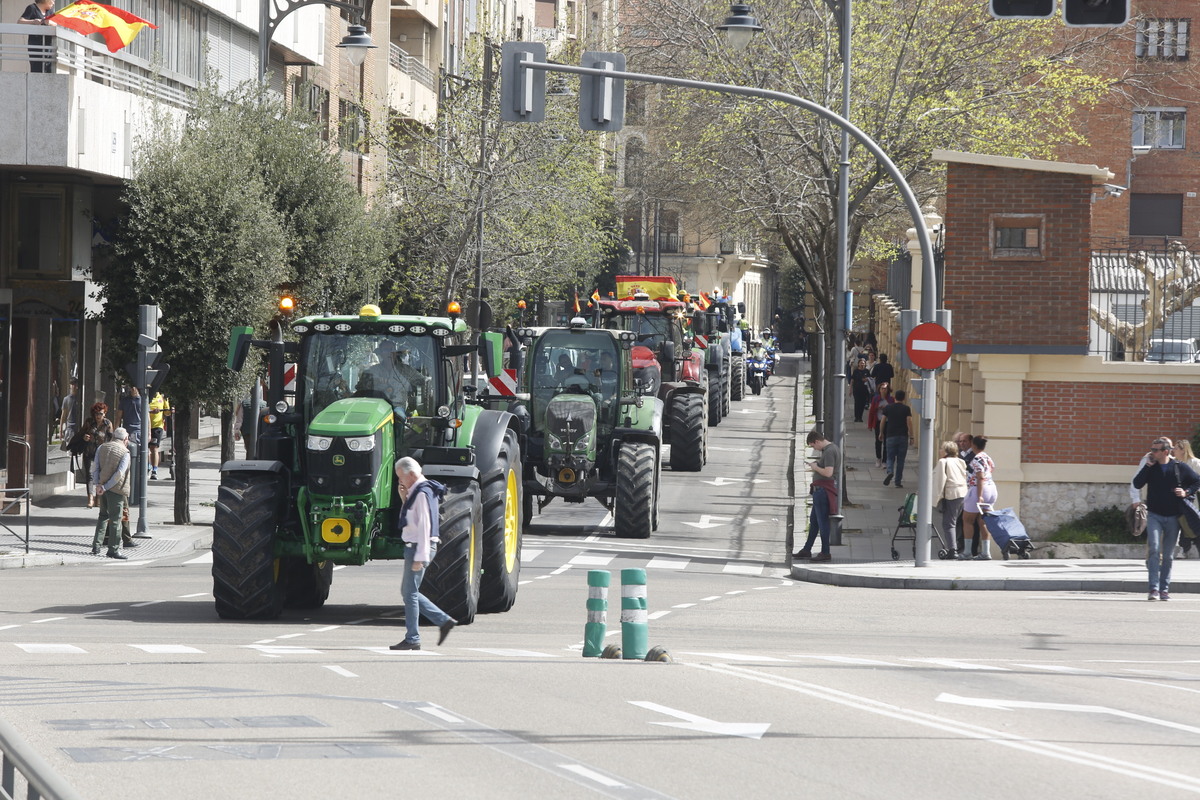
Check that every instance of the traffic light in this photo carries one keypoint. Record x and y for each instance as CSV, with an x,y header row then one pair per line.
x,y
522,91
1095,13
1024,9
149,370
602,99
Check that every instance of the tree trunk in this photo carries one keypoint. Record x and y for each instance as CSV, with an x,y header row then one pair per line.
x,y
227,430
181,453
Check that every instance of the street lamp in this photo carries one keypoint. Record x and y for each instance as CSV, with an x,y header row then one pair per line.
x,y
356,43
739,27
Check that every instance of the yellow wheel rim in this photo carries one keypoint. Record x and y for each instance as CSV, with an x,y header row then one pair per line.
x,y
511,521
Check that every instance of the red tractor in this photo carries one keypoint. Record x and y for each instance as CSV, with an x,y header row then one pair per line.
x,y
666,364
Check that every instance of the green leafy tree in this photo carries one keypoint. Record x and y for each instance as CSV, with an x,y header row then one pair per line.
x,y
925,74
227,203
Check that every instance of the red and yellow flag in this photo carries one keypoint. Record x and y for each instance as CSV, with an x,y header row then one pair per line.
x,y
703,301
657,287
595,294
118,27
577,302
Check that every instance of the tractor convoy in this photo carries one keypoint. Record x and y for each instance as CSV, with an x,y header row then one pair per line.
x,y
594,404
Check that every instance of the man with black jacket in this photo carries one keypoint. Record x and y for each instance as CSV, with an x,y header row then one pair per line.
x,y
1168,482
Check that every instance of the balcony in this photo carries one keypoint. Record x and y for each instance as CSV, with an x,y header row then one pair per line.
x,y
426,10
412,86
84,114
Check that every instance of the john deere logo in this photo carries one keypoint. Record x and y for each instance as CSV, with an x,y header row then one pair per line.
x,y
339,461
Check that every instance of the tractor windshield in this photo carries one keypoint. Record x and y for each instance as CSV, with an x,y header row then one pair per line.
x,y
399,369
563,361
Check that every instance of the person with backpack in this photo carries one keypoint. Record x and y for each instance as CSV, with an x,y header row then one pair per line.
x,y
418,526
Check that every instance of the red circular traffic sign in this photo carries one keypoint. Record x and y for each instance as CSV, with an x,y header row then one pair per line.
x,y
928,345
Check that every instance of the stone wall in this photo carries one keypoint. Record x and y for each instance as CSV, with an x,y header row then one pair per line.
x,y
1045,506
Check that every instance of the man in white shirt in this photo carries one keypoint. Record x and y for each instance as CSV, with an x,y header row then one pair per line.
x,y
419,530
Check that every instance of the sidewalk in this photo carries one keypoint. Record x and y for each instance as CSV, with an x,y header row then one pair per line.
x,y
864,559
61,527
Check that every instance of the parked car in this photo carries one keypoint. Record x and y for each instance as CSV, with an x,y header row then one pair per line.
x,y
1172,351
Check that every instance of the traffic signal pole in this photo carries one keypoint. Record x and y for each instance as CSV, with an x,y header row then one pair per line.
x,y
523,87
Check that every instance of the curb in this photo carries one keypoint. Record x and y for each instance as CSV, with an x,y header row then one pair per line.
x,y
873,580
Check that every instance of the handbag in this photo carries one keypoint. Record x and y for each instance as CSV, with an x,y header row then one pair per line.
x,y
68,436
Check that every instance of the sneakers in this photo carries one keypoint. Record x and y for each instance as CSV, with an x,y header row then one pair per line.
x,y
982,557
1164,595
1153,594
963,557
822,557
153,476
888,479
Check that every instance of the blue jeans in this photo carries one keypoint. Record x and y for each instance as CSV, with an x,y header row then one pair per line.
x,y
1162,534
818,520
897,451
415,603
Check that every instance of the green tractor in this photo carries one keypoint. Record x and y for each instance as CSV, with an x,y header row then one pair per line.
x,y
588,433
368,389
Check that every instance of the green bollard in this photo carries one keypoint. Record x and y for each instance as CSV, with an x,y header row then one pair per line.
x,y
635,628
597,612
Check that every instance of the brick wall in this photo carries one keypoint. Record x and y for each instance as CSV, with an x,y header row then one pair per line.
x,y
1089,423
1015,304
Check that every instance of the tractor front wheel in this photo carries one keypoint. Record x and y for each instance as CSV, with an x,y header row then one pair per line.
x,y
502,528
689,434
247,580
307,584
634,510
451,580
737,385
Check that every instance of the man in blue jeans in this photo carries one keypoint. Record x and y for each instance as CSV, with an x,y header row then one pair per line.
x,y
897,435
826,470
1168,482
418,526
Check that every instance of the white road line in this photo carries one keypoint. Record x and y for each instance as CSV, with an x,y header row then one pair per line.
x,y
326,628
667,563
1058,668
735,592
101,611
949,662
439,713
528,555
47,619
853,660
743,569
264,641
710,599
43,649
345,673
591,561
658,614
684,605
500,651
147,603
737,657
591,775
197,594
764,588
292,635
522,583
166,649
204,559
359,621
282,650
606,521
559,571
7,627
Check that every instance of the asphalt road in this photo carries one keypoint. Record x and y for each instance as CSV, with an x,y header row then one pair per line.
x,y
123,678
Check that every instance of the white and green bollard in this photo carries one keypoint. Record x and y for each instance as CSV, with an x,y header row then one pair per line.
x,y
635,626
597,612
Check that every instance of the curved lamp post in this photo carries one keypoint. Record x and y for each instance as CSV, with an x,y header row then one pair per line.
x,y
355,44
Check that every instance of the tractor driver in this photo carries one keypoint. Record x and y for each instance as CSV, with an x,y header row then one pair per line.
x,y
390,379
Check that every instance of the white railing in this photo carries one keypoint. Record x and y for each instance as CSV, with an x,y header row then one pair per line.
x,y
410,65
84,58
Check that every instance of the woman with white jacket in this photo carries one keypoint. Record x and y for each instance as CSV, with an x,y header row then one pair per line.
x,y
949,489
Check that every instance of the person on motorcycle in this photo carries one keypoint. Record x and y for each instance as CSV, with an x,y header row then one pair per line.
x,y
758,350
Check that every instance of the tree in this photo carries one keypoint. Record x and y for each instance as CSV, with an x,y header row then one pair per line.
x,y
545,201
925,74
226,204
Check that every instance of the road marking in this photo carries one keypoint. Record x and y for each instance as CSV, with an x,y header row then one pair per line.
x,y
207,558
723,481
434,711
735,592
949,662
282,650
359,621
101,611
667,563
658,614
591,561
7,627
166,649
995,737
743,569
197,594
147,603
43,649
710,598
1009,705
871,662
529,555
558,571
1058,668
591,775
345,673
326,628
1155,673
291,635
737,657
684,605
693,722
706,522
501,651
47,619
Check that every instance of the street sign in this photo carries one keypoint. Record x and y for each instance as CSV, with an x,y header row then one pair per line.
x,y
928,346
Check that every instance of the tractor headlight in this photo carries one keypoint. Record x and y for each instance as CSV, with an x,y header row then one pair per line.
x,y
319,443
584,442
554,442
360,444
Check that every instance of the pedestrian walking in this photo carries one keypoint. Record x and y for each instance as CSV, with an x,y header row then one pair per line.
x,y
879,401
966,451
981,488
1189,539
860,380
897,435
882,371
1168,483
110,474
418,524
96,430
826,470
160,410
949,492
129,415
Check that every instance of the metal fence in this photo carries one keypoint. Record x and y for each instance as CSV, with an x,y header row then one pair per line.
x,y
1138,297
40,782
410,65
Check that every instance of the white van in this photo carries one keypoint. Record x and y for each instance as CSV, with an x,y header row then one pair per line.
x,y
1172,351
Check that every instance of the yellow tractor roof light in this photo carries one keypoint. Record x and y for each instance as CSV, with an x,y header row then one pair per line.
x,y
521,304
453,308
370,311
287,305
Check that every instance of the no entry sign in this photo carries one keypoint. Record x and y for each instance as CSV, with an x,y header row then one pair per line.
x,y
928,346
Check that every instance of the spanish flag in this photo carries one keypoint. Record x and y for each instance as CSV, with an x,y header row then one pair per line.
x,y
596,295
116,26
577,302
658,287
703,301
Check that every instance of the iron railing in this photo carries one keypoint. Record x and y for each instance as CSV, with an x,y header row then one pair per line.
x,y
7,502
410,65
1139,296
41,782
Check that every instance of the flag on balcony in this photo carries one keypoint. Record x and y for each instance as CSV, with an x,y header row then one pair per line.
x,y
118,27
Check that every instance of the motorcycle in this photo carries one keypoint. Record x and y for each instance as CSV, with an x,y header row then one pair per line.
x,y
756,374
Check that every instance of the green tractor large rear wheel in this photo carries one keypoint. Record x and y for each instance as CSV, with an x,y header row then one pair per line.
x,y
452,580
636,492
502,528
689,433
248,582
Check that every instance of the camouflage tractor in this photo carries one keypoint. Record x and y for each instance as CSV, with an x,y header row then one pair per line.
x,y
368,390
588,432
666,365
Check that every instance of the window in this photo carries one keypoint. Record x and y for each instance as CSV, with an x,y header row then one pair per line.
x,y
1165,39
1155,215
41,234
1018,236
1159,128
352,127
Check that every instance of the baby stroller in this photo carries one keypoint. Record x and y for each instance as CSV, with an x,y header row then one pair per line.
x,y
1007,530
908,523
